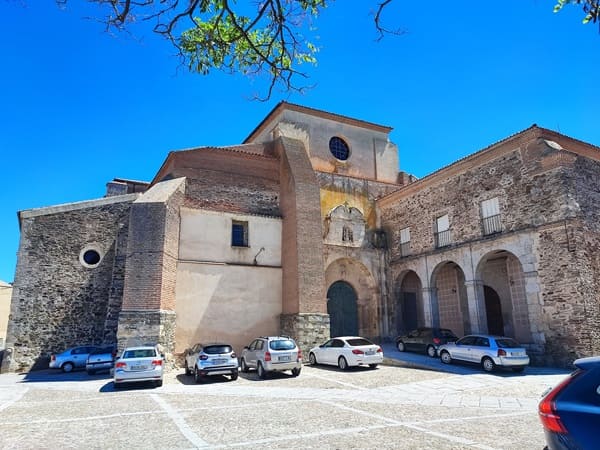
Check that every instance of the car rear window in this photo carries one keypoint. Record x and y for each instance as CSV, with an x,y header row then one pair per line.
x,y
141,353
216,349
358,341
447,333
282,344
507,343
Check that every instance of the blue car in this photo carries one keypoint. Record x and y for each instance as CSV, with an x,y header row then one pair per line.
x,y
570,412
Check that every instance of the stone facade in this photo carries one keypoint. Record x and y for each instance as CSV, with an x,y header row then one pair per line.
x,y
309,228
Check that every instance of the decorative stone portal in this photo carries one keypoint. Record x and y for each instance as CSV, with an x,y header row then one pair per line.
x,y
342,309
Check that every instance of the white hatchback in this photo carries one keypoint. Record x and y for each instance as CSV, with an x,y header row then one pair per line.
x,y
144,363
347,351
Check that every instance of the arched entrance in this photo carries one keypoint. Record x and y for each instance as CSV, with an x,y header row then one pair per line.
x,y
493,310
342,309
408,307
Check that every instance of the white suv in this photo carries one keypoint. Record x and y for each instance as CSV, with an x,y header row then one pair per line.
x,y
212,359
271,354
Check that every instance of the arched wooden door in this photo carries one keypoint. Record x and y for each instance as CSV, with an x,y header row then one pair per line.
x,y
342,309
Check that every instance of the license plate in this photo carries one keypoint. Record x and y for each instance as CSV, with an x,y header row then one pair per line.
x,y
138,367
517,353
370,352
284,358
219,361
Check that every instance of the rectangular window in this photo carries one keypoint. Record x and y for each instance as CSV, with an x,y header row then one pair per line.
x,y
490,216
442,234
239,234
405,241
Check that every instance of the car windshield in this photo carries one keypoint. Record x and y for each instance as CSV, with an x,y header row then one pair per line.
x,y
507,343
282,344
358,341
216,349
139,353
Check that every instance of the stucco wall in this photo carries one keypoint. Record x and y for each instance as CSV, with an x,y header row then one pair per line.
x,y
222,295
5,295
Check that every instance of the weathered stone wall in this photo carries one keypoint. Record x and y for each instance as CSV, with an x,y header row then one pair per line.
x,y
308,330
57,301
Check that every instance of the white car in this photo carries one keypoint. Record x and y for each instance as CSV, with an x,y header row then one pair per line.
x,y
347,351
144,363
489,351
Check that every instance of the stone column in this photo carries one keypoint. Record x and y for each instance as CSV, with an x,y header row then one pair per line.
x,y
534,307
476,304
431,314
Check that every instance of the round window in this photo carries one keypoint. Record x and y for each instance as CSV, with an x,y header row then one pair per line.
x,y
90,257
339,148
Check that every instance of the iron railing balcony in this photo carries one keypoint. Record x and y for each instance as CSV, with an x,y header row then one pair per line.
x,y
442,238
405,249
492,225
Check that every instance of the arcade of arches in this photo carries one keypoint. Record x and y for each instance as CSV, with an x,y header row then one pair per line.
x,y
494,301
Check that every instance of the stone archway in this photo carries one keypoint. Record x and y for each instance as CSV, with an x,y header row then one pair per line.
x,y
449,298
493,311
501,271
408,310
359,278
342,309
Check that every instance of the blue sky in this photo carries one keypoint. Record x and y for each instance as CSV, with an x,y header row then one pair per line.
x,y
80,107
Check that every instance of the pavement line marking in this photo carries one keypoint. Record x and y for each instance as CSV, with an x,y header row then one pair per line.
x,y
360,388
392,422
15,398
83,419
180,422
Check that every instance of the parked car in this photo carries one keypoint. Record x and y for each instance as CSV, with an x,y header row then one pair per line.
x,y
347,351
143,363
272,354
570,412
72,358
489,351
102,358
211,359
426,340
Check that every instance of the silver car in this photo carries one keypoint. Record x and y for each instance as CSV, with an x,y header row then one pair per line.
x,y
144,363
72,358
271,354
211,359
489,351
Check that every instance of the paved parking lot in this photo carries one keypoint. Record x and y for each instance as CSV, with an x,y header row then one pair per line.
x,y
390,407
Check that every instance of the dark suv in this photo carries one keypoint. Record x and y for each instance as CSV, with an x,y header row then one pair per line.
x,y
425,340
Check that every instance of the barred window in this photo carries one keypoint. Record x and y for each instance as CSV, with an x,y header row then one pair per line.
x,y
405,241
239,234
339,148
490,216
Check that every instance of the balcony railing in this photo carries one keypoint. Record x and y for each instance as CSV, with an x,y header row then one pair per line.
x,y
442,238
405,248
492,225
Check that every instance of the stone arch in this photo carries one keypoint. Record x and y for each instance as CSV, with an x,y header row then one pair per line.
x,y
407,310
359,277
449,301
344,225
501,271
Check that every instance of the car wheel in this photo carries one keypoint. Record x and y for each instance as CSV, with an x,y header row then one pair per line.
x,y
296,371
234,375
342,363
159,383
518,369
187,369
431,351
445,357
400,346
487,364
262,373
197,377
313,359
373,366
67,367
91,372
244,366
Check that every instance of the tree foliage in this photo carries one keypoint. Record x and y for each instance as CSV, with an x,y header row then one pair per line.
x,y
591,8
266,37
252,38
